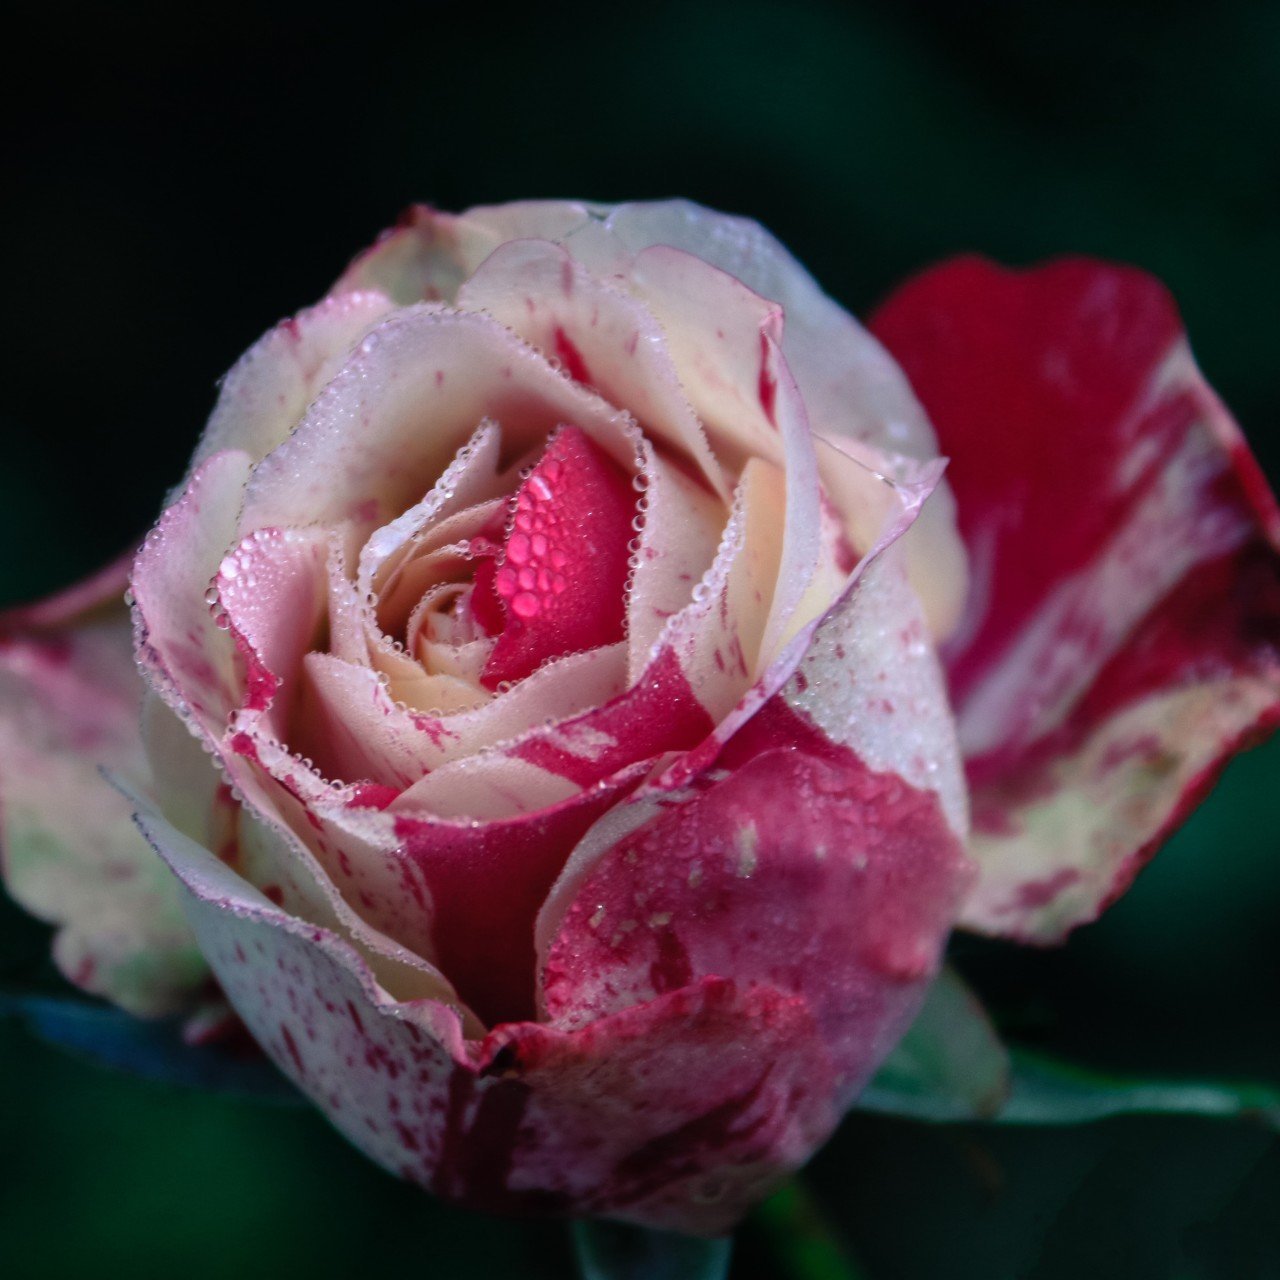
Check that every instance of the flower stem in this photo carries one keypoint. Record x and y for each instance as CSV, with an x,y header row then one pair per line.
x,y
618,1251
801,1239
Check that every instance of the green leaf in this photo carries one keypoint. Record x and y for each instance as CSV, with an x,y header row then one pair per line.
x,y
151,1048
949,1066
1045,1091
618,1251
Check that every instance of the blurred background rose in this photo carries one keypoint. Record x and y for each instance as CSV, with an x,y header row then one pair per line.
x,y
177,181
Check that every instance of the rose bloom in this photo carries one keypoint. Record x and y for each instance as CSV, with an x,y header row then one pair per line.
x,y
541,734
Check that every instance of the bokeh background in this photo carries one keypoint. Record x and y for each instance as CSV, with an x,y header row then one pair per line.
x,y
178,180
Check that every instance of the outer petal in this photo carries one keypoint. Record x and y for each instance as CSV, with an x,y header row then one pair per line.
x,y
792,865
1122,640
70,699
393,418
187,658
680,1113
265,394
823,776
851,387
813,844
429,254
601,335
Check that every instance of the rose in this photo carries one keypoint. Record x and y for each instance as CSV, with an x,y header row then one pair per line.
x,y
626,936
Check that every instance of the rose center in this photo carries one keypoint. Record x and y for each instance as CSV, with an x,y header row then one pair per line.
x,y
544,576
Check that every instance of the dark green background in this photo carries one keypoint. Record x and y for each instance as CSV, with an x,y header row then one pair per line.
x,y
179,180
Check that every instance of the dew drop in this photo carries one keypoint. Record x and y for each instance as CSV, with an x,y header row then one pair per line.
x,y
524,604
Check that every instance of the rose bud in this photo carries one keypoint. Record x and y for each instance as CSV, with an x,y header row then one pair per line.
x,y
541,710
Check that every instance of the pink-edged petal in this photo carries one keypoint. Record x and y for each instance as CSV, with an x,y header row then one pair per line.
x,y
411,395
679,1114
1123,635
707,676
70,697
488,880
849,383
324,839
661,713
716,330
429,254
725,342
463,891
185,784
273,591
600,336
677,544
793,605
348,723
472,477
791,865
270,592
354,728
870,680
850,386
277,866
863,675
186,656
717,642
704,659
493,785
268,389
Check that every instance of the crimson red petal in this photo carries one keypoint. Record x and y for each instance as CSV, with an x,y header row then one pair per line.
x,y
791,866
563,572
1122,638
487,882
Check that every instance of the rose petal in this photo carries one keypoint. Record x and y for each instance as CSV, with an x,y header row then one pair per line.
x,y
716,329
562,573
1122,636
348,864
870,680
850,386
184,784
462,890
355,729
184,654
679,1114
600,336
719,641
677,544
791,865
802,533
703,661
69,702
488,786
273,589
488,880
430,253
472,477
895,718
265,394
723,339
411,395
